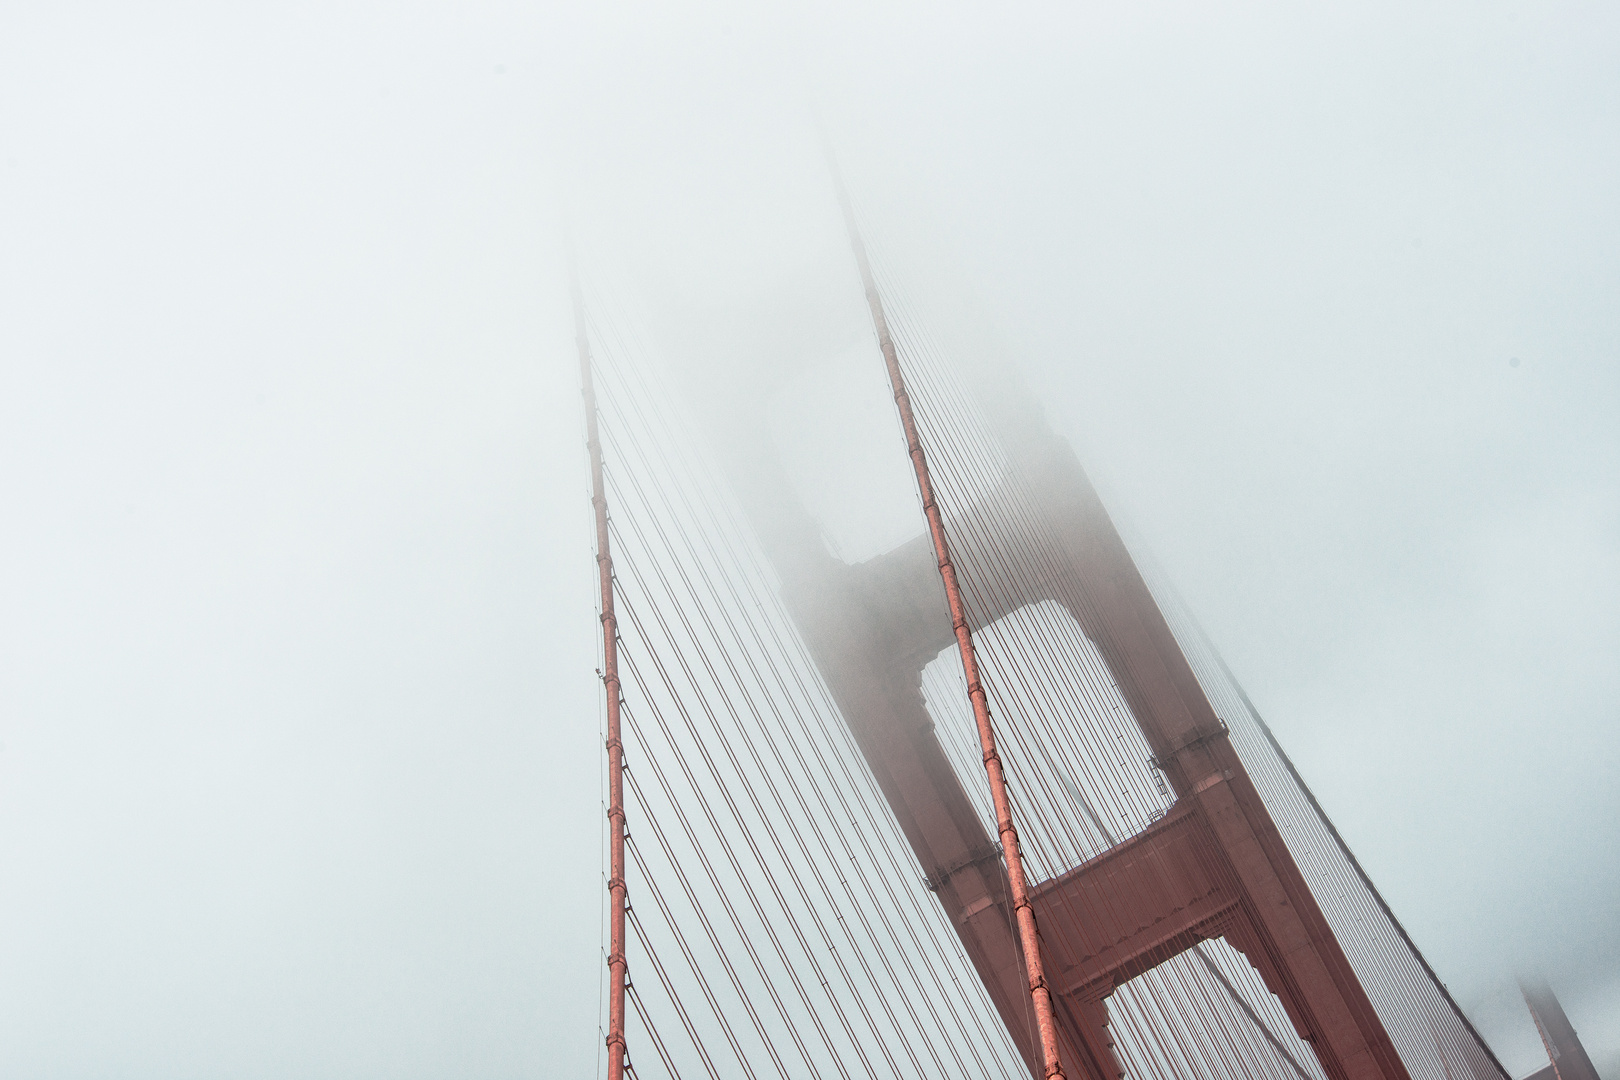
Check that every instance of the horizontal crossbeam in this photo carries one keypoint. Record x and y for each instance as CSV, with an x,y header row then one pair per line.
x,y
1135,906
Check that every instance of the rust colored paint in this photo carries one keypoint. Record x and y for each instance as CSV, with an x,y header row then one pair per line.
x,y
1029,938
610,681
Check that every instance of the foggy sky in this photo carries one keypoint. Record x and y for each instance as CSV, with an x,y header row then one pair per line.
x,y
298,762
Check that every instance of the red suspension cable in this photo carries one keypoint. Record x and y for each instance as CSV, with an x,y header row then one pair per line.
x,y
1040,993
610,679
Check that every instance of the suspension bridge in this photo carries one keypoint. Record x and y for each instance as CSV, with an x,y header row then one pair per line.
x,y
984,803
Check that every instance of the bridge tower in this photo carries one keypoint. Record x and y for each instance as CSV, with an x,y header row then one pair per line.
x,y
1567,1057
1214,866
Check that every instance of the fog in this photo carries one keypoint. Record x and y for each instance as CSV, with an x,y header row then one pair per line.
x,y
299,771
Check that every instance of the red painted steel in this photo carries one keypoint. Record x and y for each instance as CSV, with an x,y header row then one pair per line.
x,y
1029,937
1281,930
1215,866
617,968
1568,1058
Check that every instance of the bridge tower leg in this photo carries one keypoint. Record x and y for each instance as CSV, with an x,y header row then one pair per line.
x,y
1568,1059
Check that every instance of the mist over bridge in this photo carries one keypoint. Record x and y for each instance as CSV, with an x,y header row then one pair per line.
x,y
1114,869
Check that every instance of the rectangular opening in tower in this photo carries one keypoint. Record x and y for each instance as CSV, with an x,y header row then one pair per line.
x,y
1206,1015
1077,765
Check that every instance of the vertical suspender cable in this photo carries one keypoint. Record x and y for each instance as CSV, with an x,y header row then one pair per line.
x,y
610,680
1039,992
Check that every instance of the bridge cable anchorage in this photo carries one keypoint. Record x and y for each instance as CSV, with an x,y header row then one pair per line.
x,y
1028,933
618,968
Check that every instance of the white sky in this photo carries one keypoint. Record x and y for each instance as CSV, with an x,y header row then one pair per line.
x,y
298,773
